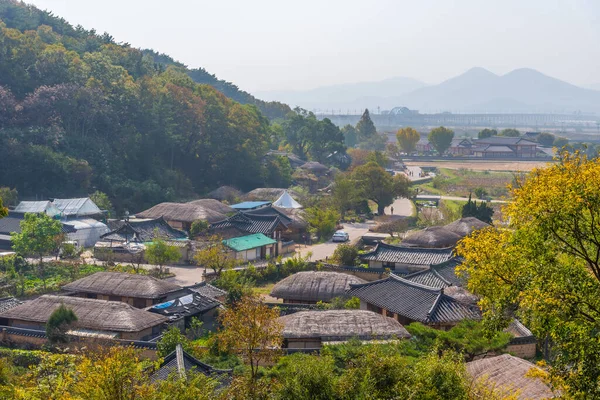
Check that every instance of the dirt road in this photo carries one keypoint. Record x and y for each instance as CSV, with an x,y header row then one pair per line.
x,y
325,250
477,165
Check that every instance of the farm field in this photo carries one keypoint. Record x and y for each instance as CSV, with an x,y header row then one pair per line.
x,y
462,182
476,165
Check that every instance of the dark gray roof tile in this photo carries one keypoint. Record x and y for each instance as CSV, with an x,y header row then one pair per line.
x,y
407,255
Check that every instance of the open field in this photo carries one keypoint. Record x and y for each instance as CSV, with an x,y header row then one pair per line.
x,y
481,165
462,182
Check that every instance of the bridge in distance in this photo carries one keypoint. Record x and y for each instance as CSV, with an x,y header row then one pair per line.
x,y
533,121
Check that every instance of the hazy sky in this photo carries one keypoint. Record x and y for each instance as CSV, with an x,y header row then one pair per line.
x,y
279,44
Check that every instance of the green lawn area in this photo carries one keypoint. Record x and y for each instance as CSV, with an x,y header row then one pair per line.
x,y
263,289
463,181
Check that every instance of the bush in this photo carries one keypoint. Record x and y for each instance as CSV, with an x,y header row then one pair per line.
x,y
198,227
345,255
58,324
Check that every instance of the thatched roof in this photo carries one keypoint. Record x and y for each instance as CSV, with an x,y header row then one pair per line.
x,y
184,212
313,286
340,325
122,284
213,205
464,226
315,167
100,315
506,374
431,237
228,193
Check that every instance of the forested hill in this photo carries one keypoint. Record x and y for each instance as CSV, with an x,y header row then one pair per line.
x,y
79,113
272,109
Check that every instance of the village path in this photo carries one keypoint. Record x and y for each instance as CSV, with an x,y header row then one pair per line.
x,y
402,208
325,250
429,197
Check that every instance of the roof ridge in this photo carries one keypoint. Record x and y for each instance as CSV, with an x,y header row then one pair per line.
x,y
440,277
435,304
415,284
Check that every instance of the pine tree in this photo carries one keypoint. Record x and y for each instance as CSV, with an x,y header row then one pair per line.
x,y
365,127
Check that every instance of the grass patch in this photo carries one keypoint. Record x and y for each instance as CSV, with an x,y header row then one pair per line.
x,y
264,289
461,182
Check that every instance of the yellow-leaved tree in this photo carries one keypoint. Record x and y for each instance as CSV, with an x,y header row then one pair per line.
x,y
544,268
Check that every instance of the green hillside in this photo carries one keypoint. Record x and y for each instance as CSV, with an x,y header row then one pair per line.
x,y
80,113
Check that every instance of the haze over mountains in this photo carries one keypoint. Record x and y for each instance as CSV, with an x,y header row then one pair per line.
x,y
477,90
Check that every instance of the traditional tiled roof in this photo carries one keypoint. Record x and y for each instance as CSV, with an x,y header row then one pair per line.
x,y
179,362
494,149
142,231
413,301
208,290
185,306
7,303
520,333
407,255
256,221
504,141
438,275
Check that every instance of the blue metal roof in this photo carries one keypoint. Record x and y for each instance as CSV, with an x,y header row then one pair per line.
x,y
250,205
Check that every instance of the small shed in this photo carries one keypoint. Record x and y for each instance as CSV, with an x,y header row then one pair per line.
x,y
252,247
81,207
310,287
312,329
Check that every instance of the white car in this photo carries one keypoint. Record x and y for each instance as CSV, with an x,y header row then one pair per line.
x,y
340,236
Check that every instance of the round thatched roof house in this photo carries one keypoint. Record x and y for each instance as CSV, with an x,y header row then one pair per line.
x,y
224,193
310,329
432,237
315,167
310,287
465,226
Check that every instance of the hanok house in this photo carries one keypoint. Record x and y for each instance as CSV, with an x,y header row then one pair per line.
x,y
182,215
127,239
252,247
423,146
312,329
180,364
100,318
182,309
405,259
507,375
408,302
443,276
461,147
139,291
310,287
500,146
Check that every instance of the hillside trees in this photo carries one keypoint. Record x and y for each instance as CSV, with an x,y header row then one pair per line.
x,y
441,138
350,135
546,139
546,268
510,132
407,139
80,112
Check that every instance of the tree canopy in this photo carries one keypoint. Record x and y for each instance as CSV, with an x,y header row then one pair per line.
x,y
379,186
59,322
407,139
441,138
486,133
545,269
510,132
80,113
546,139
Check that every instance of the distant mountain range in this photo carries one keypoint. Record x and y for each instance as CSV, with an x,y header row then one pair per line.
x,y
344,96
477,90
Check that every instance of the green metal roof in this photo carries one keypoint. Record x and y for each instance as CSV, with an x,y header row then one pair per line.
x,y
248,242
